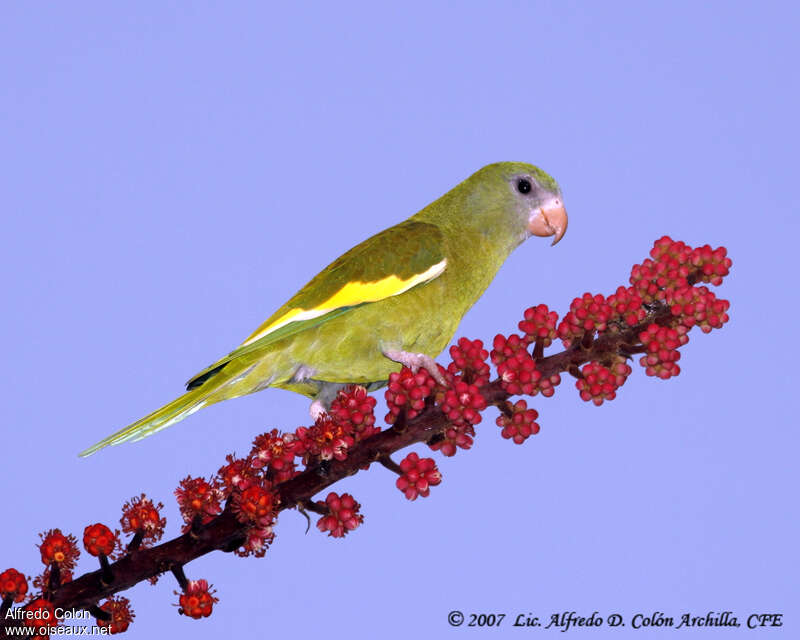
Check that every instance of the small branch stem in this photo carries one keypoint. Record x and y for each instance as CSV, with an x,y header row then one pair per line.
x,y
105,568
136,541
55,577
5,606
180,576
196,526
313,507
538,349
97,612
390,464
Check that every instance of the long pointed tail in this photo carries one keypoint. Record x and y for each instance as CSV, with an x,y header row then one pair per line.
x,y
166,416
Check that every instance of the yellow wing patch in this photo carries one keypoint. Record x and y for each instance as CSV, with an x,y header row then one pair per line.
x,y
350,295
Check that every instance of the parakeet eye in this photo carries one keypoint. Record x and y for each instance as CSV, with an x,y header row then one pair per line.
x,y
523,185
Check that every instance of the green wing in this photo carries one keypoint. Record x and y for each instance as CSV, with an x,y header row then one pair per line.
x,y
387,264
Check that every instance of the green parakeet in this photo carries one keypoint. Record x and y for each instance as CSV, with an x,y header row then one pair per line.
x,y
395,299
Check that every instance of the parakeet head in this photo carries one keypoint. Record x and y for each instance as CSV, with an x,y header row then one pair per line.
x,y
509,201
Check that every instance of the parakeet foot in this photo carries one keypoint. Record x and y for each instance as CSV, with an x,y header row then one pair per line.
x,y
416,360
325,396
316,410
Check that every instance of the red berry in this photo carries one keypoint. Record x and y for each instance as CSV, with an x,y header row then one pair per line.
x,y
469,361
58,548
13,585
43,615
198,498
240,473
454,437
662,350
198,600
275,451
520,424
668,269
343,515
257,542
462,403
99,539
407,392
325,440
665,249
626,306
600,383
355,410
419,475
710,265
515,366
141,515
255,504
587,314
121,614
539,325
698,306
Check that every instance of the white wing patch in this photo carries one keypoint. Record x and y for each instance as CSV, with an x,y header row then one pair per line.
x,y
351,294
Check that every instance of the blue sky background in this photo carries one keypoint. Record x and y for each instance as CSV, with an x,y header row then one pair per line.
x,y
170,173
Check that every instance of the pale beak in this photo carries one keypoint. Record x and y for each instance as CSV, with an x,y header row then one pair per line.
x,y
549,220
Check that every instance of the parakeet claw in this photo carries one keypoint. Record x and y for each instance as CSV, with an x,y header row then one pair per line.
x,y
325,396
415,361
316,410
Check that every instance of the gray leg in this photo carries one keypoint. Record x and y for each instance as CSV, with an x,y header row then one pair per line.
x,y
325,396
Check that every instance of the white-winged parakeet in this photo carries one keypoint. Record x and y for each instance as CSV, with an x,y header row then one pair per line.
x,y
395,299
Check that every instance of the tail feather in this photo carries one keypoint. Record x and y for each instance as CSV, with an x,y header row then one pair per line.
x,y
175,411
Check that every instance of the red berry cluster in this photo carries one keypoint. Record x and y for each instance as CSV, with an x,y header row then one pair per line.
x,y
626,307
462,403
141,517
515,366
600,383
453,438
407,392
257,542
355,409
669,252
419,475
239,473
587,314
697,306
669,270
119,608
469,361
539,325
710,265
13,585
518,422
98,540
43,615
56,548
342,517
197,600
276,451
325,440
256,504
674,265
662,350
198,498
